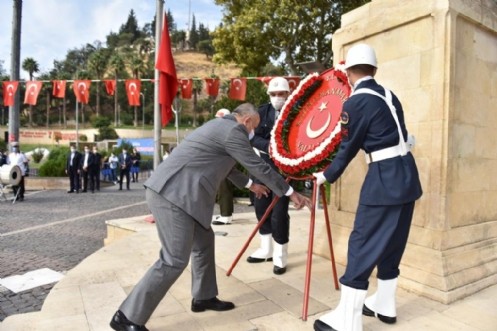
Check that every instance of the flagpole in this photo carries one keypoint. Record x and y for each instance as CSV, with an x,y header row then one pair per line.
x,y
77,125
157,112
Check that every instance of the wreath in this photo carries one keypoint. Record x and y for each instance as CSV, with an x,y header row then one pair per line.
x,y
307,134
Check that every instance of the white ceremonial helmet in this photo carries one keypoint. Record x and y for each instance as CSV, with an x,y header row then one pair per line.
x,y
221,112
278,84
361,54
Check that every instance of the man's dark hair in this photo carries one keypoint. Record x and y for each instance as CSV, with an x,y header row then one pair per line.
x,y
363,69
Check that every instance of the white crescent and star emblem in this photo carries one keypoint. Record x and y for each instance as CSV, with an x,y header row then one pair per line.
x,y
33,88
82,90
235,81
311,133
132,89
10,89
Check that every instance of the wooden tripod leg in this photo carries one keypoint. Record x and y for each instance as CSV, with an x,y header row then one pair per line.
x,y
307,284
330,241
254,232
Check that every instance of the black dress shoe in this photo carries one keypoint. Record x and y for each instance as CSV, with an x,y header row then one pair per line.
x,y
251,259
212,304
385,319
70,191
120,323
279,271
322,326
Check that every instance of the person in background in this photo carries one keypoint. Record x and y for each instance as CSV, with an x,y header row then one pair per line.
x,y
135,165
16,157
3,158
277,225
181,194
225,192
95,168
124,167
113,163
372,119
72,169
86,162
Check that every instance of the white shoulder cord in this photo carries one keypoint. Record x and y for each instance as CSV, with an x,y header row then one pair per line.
x,y
388,100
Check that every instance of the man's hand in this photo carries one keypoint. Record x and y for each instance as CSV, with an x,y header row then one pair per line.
x,y
299,201
320,178
259,190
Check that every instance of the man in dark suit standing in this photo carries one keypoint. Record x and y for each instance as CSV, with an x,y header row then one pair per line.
x,y
85,165
72,169
95,167
373,120
181,194
125,163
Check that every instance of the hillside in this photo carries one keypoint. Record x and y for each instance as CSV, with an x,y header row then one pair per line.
x,y
190,65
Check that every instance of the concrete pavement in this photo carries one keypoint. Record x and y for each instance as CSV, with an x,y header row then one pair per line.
x,y
87,297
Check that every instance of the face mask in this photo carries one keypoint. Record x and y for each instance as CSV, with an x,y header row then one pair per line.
x,y
14,149
277,102
72,150
251,135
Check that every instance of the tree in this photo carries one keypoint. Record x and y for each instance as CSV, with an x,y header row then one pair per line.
x,y
254,32
116,64
131,27
97,65
31,66
193,38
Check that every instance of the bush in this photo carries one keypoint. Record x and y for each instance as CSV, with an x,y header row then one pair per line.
x,y
100,121
37,156
83,137
126,119
55,166
107,133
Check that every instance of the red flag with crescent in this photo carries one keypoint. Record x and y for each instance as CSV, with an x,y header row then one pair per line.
x,y
32,90
265,79
212,86
81,89
9,91
186,87
133,87
59,88
293,82
238,88
110,86
168,81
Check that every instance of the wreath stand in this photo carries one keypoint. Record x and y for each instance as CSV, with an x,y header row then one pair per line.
x,y
315,192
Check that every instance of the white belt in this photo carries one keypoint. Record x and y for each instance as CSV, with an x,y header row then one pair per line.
x,y
386,153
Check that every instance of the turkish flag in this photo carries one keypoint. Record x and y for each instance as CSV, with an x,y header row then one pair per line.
x,y
265,79
81,89
212,86
9,91
133,87
186,88
110,86
168,82
32,90
59,88
238,88
293,82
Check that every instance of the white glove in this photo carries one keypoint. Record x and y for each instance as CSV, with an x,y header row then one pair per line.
x,y
320,178
411,141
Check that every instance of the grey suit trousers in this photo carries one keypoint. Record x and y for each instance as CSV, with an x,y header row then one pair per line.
x,y
181,236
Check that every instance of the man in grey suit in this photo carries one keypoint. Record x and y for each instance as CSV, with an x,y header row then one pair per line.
x,y
181,195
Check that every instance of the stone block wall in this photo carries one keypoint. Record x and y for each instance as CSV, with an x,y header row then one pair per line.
x,y
440,58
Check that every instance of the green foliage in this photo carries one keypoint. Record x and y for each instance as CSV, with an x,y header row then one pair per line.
x,y
55,165
126,119
83,137
254,32
106,132
37,156
100,121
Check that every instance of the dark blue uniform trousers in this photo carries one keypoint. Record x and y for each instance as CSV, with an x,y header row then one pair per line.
x,y
379,239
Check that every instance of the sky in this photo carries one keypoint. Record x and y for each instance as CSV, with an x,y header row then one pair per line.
x,y
52,27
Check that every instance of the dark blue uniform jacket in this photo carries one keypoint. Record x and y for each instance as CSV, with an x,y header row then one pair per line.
x,y
368,124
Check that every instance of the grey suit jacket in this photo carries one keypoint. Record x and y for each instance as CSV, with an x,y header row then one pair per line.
x,y
190,176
